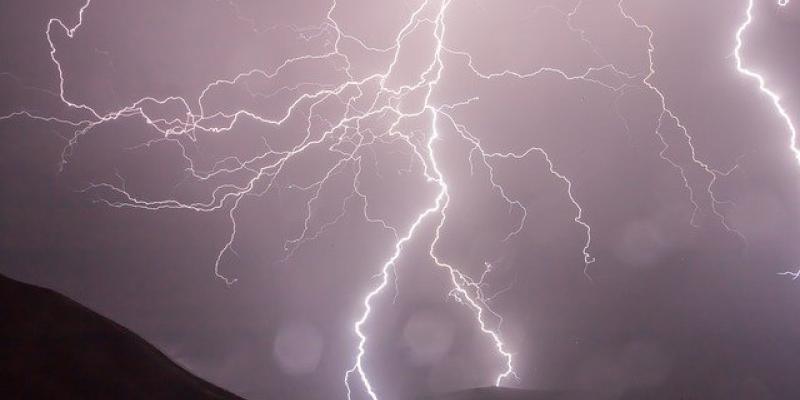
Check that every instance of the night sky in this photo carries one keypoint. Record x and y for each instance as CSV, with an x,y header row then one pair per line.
x,y
690,230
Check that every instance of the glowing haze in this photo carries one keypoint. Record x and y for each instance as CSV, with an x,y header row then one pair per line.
x,y
399,132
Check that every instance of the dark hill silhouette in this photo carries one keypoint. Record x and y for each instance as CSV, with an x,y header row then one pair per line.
x,y
494,393
55,348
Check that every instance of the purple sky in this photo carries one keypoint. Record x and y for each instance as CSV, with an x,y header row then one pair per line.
x,y
129,216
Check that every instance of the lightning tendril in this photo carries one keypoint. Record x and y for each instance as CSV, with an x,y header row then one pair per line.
x,y
350,138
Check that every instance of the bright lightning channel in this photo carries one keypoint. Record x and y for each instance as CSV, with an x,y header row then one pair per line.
x,y
767,91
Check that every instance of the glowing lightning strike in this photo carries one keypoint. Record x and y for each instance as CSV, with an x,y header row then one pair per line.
x,y
667,115
762,83
229,196
346,139
762,86
460,281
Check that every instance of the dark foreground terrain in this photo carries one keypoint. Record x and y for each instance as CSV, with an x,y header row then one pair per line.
x,y
664,392
499,394
519,394
54,348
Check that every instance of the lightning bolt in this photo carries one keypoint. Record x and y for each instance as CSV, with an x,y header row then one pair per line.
x,y
364,99
766,91
668,116
461,283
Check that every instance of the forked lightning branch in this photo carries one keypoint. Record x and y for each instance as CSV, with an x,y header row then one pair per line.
x,y
350,136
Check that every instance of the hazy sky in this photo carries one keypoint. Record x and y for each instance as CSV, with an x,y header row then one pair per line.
x,y
321,163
